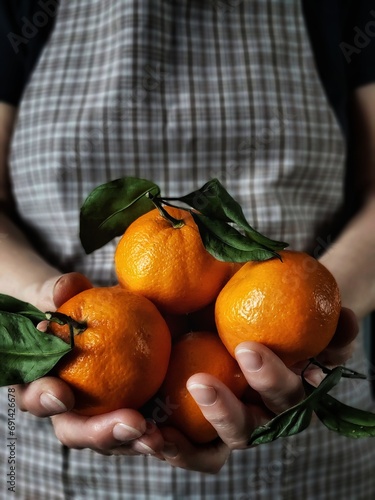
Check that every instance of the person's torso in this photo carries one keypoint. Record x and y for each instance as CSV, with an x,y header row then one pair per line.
x,y
180,92
177,93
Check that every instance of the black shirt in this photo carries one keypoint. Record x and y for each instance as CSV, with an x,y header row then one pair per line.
x,y
24,29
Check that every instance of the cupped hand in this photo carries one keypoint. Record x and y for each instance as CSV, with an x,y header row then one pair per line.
x,y
234,421
49,396
277,387
119,432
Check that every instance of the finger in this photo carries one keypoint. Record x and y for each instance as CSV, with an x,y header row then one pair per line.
x,y
151,443
58,289
68,286
106,432
45,397
180,452
279,387
347,329
227,414
341,347
331,357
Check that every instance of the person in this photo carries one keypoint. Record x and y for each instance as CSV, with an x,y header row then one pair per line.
x,y
179,93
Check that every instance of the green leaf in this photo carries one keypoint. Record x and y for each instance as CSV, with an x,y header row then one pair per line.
x,y
286,424
346,420
13,305
207,201
26,353
227,244
110,208
214,201
297,418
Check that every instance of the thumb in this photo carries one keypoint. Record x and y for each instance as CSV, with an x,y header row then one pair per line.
x,y
67,286
58,289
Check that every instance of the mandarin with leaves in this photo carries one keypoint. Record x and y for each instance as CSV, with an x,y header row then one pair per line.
x,y
162,257
120,354
292,305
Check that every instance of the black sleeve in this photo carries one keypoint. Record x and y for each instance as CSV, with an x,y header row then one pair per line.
x,y
342,35
359,45
25,26
325,23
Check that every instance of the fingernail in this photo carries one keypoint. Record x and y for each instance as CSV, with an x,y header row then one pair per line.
x,y
51,403
124,433
250,361
203,394
170,450
141,447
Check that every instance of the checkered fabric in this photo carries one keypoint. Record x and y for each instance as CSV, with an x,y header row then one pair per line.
x,y
180,92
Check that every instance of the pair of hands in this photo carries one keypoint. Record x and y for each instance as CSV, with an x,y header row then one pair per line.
x,y
126,432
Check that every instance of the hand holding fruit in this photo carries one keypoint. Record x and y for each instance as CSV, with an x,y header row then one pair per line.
x,y
278,389
123,431
49,395
231,418
112,345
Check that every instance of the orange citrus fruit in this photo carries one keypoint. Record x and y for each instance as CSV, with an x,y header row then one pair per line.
x,y
292,306
197,352
169,265
121,358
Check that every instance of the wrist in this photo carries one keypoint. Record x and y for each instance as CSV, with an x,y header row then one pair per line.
x,y
351,261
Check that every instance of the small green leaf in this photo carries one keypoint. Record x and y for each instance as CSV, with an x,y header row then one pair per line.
x,y
13,305
227,244
286,424
207,201
110,208
297,418
214,201
346,420
26,353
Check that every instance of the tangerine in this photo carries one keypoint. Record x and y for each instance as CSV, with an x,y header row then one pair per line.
x,y
193,353
121,357
291,305
169,265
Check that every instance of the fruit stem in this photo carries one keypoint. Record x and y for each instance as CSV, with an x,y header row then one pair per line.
x,y
158,202
75,328
347,372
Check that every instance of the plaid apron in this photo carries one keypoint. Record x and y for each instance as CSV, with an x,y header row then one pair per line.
x,y
180,92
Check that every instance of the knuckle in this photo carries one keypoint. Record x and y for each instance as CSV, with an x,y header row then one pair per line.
x,y
62,434
94,443
239,443
220,420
